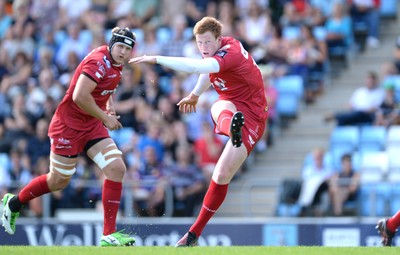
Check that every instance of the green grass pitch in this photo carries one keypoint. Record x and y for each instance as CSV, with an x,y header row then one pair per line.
x,y
234,250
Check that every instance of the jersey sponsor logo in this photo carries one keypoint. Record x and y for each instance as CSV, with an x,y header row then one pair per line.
x,y
63,141
220,83
63,147
112,76
106,92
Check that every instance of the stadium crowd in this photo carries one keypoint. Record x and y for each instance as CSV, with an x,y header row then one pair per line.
x,y
42,42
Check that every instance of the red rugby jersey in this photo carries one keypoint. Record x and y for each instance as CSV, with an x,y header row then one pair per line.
x,y
97,65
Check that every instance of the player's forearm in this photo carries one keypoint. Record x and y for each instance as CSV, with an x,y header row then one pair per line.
x,y
202,84
189,65
87,104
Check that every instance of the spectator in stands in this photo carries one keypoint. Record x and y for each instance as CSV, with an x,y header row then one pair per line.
x,y
17,79
71,11
318,53
298,58
226,65
367,11
21,33
388,112
39,143
20,170
228,15
292,16
326,6
255,29
363,104
5,19
276,53
152,179
187,182
19,123
73,42
339,31
81,124
343,185
396,60
314,196
5,141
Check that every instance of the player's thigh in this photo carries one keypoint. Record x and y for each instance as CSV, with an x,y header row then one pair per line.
x,y
221,105
61,169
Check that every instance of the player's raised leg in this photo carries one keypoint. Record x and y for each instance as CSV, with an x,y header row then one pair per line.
x,y
61,170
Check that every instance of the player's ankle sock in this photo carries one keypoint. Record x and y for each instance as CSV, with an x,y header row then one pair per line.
x,y
213,199
15,205
394,222
37,187
111,198
224,122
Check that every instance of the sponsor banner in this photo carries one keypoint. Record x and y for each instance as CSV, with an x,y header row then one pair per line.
x,y
89,234
215,234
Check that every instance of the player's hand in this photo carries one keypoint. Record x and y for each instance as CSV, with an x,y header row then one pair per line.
x,y
112,122
188,104
143,59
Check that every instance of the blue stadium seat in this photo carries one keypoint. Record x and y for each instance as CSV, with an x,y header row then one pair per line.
x,y
372,138
393,136
345,136
374,198
287,105
388,9
394,202
290,84
374,166
291,32
319,33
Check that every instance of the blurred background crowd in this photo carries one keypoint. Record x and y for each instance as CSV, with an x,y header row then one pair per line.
x,y
43,41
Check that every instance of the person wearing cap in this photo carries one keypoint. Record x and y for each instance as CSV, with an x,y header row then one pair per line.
x,y
388,113
80,124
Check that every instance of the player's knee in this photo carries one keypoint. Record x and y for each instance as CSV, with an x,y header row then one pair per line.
x,y
60,174
57,181
116,170
110,162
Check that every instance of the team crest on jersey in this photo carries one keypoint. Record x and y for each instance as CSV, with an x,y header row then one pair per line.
x,y
108,64
221,53
101,71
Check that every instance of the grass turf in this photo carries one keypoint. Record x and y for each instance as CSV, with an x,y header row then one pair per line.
x,y
234,250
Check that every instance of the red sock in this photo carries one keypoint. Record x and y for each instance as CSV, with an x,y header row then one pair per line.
x,y
111,199
37,187
213,199
394,222
224,121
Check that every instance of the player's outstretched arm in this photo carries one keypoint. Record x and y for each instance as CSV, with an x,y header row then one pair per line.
x,y
187,65
143,59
